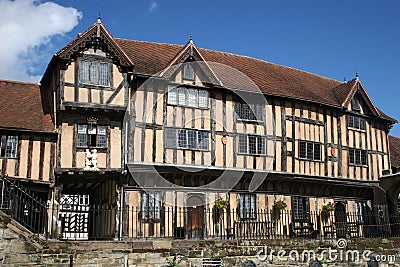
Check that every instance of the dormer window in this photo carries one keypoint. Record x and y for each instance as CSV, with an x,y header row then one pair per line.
x,y
188,72
94,72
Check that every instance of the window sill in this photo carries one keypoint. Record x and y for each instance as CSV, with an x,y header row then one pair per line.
x,y
358,165
106,87
250,121
92,147
8,157
190,149
250,154
357,130
311,160
186,106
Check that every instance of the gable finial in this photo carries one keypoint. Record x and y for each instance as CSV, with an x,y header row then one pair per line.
x,y
99,17
191,38
345,80
356,75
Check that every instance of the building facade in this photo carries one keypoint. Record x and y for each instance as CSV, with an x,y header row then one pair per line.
x,y
154,137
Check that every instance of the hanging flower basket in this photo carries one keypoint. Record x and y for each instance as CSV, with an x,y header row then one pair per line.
x,y
328,207
221,203
279,205
277,208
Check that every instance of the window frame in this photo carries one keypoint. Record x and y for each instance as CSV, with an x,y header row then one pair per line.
x,y
351,122
9,145
178,94
172,138
309,145
244,201
301,212
87,136
188,66
249,150
255,111
153,198
98,63
360,160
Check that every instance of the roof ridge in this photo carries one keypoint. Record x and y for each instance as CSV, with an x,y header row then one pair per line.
x,y
20,82
148,42
233,54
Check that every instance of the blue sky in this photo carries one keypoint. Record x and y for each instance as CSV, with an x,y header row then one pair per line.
x,y
329,38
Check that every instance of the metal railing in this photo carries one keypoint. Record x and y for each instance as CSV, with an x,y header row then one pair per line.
x,y
203,223
23,205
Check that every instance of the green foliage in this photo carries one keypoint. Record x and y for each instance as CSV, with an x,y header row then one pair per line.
x,y
280,205
221,203
328,207
174,262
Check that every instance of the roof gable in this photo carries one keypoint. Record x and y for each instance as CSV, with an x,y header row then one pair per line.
x,y
189,54
347,92
98,37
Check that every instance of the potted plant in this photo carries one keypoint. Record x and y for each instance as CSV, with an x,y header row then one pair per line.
x,y
326,210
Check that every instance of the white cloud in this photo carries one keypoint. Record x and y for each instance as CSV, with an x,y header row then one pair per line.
x,y
153,6
26,27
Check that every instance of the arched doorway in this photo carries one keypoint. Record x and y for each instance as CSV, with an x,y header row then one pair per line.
x,y
340,219
195,216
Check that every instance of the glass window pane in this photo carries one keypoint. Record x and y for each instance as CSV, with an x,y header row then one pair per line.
x,y
203,98
310,151
182,96
188,72
170,138
82,135
358,157
351,156
252,144
102,136
182,138
238,110
242,143
356,122
104,74
84,71
191,139
302,150
3,145
364,157
350,121
192,98
261,145
172,97
93,73
202,140
12,147
317,151
362,124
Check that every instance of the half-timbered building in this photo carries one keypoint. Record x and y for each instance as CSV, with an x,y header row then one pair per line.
x,y
151,136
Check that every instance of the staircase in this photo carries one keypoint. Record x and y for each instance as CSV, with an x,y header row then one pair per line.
x,y
22,205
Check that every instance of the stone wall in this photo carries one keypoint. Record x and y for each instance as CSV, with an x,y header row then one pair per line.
x,y
19,247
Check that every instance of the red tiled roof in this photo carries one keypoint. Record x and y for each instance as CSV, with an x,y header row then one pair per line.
x,y
22,107
272,79
151,58
394,146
